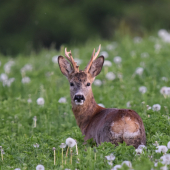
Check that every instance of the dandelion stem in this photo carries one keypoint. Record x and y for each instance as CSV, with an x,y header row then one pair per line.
x,y
71,156
95,156
66,154
62,157
54,157
2,154
76,149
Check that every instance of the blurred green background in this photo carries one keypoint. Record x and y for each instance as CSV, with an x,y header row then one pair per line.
x,y
31,25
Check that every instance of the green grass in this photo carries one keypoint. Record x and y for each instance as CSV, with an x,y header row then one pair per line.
x,y
17,132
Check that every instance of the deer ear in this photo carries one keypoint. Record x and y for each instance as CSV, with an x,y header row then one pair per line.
x,y
65,66
96,66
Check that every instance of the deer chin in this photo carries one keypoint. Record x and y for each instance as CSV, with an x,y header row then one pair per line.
x,y
79,102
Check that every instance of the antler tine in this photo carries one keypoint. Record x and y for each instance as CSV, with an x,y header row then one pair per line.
x,y
93,57
70,58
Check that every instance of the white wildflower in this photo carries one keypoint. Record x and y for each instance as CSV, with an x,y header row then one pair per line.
x,y
139,71
40,167
156,107
70,142
107,63
62,100
55,59
142,147
25,80
168,145
142,89
36,145
117,59
164,79
40,101
128,163
137,39
165,159
110,157
8,65
97,82
128,104
110,76
102,105
144,55
78,61
148,107
27,67
104,53
3,77
116,167
29,100
138,151
162,149
164,167
63,145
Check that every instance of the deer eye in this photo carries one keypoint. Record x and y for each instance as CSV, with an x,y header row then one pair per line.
x,y
71,84
88,84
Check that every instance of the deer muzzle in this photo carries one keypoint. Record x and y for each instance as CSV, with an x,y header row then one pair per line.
x,y
79,99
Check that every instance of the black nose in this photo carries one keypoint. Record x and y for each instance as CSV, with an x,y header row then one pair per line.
x,y
79,97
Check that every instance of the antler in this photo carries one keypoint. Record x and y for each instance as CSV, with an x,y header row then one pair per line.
x,y
93,57
70,58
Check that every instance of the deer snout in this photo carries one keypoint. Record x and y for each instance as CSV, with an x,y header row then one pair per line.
x,y
79,99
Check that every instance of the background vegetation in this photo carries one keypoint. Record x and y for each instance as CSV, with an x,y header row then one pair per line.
x,y
30,25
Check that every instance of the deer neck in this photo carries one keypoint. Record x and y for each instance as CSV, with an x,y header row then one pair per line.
x,y
85,112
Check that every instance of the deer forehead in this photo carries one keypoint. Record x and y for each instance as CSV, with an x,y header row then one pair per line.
x,y
80,77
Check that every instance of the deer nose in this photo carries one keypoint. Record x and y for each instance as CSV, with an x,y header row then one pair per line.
x,y
79,97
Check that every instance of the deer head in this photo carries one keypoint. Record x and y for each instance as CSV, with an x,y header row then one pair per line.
x,y
80,81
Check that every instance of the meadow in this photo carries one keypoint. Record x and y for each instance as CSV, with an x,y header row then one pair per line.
x,y
30,128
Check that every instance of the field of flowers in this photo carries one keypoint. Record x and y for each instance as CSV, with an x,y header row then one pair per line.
x,y
36,116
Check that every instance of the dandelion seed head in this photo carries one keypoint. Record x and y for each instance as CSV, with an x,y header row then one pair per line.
x,y
142,89
25,80
36,145
62,100
63,145
40,167
97,82
168,145
78,61
70,142
110,157
128,104
156,107
55,59
161,149
116,167
104,53
110,76
29,100
40,101
139,71
128,163
137,40
117,59
107,63
165,159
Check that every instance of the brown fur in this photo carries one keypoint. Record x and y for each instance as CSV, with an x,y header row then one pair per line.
x,y
103,125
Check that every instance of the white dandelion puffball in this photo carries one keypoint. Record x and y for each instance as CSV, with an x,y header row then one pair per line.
x,y
27,67
165,159
138,151
168,145
139,71
164,79
107,63
78,61
70,142
97,82
17,169
165,91
102,105
36,145
156,107
3,77
142,89
8,65
164,167
117,59
144,55
62,100
128,104
137,39
40,101
110,157
104,53
63,145
8,82
128,163
162,91
25,80
40,167
55,59
142,147
162,33
162,149
29,100
110,163
110,76
148,107
116,167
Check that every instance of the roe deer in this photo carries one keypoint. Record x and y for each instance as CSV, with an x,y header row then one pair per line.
x,y
103,125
